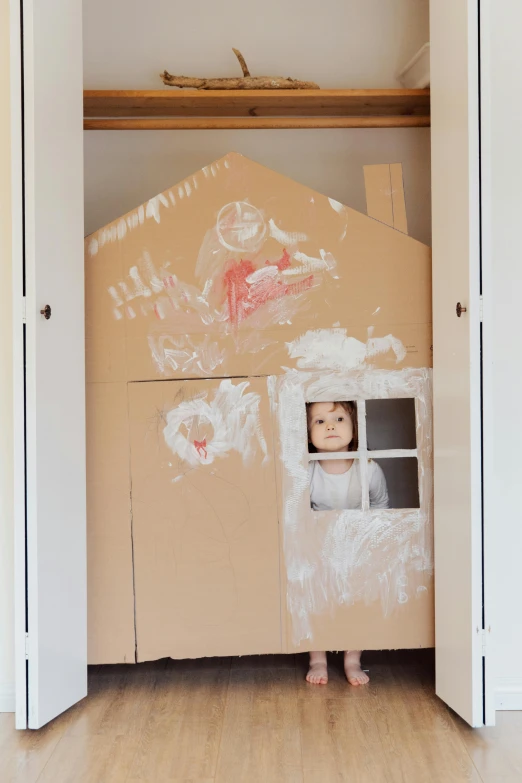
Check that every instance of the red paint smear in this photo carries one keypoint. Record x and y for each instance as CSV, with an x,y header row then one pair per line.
x,y
283,263
244,297
201,446
157,312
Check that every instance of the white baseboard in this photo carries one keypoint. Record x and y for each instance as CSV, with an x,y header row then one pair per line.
x,y
508,693
7,697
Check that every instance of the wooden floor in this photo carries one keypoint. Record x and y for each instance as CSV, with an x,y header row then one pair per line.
x,y
245,720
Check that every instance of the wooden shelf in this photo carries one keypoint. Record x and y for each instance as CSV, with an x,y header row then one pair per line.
x,y
199,109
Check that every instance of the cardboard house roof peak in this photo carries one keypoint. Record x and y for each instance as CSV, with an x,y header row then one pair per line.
x,y
237,264
383,185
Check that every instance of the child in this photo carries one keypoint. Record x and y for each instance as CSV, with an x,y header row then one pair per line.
x,y
336,483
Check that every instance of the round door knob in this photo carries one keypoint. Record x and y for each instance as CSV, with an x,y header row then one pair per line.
x,y
46,312
460,309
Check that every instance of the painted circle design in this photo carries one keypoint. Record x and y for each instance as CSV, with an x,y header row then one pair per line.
x,y
241,227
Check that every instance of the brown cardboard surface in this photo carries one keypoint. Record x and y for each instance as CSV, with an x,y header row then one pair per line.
x,y
379,205
236,272
205,533
400,221
385,195
109,551
363,627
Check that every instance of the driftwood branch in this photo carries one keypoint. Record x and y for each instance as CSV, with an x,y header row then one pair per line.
x,y
242,62
245,82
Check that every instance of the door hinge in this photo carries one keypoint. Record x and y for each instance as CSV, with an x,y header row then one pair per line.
x,y
484,639
24,310
481,308
27,646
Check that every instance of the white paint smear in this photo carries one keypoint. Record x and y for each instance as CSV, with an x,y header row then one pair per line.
x,y
309,264
139,288
232,417
122,229
119,229
285,238
377,346
115,295
153,207
333,349
175,353
262,274
336,205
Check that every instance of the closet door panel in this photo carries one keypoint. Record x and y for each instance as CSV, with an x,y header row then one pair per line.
x,y
457,355
54,527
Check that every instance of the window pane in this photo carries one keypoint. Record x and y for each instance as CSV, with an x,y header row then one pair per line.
x,y
390,424
401,478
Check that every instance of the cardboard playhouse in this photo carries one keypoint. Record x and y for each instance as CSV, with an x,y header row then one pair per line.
x,y
214,312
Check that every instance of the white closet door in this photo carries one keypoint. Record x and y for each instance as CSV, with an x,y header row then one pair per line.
x,y
454,32
54,356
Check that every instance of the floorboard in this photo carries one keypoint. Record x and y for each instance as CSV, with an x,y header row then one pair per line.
x,y
255,720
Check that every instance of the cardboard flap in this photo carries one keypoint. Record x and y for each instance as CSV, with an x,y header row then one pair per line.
x,y
385,195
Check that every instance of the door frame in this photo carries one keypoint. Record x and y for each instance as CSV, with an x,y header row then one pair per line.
x,y
19,385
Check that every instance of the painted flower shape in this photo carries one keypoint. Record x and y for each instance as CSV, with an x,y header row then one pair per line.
x,y
230,422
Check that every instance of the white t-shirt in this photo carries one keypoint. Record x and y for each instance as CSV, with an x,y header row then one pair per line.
x,y
343,490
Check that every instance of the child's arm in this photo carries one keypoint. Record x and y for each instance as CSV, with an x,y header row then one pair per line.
x,y
378,488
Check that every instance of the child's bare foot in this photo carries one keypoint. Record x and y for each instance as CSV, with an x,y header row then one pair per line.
x,y
352,668
318,671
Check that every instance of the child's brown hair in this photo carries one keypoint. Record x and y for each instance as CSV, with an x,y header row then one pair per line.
x,y
351,410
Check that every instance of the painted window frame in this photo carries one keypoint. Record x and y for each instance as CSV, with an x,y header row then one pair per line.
x,y
363,454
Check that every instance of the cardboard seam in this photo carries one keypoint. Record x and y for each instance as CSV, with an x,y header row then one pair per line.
x,y
201,378
391,196
271,381
131,515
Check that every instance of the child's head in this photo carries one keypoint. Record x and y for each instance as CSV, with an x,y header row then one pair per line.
x,y
332,426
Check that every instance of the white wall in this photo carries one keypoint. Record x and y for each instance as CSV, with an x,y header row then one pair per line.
x,y
502,158
6,399
337,43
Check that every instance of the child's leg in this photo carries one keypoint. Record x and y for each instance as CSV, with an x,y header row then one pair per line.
x,y
318,671
352,668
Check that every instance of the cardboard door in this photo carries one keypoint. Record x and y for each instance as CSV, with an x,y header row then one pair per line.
x,y
204,518
54,519
457,358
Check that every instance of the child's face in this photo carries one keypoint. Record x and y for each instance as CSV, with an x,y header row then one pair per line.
x,y
330,427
